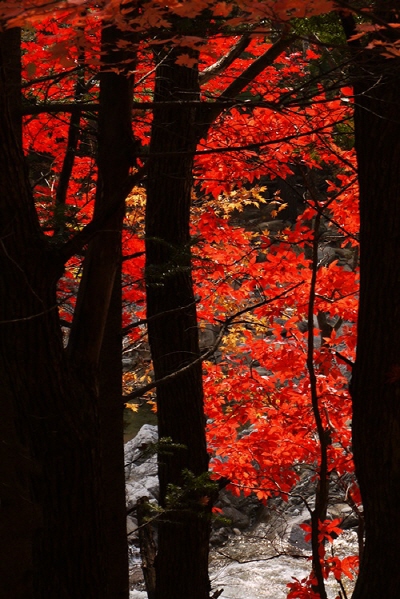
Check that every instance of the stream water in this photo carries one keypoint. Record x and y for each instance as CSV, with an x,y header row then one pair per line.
x,y
251,567
259,562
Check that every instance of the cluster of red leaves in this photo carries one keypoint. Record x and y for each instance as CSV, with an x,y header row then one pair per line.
x,y
256,286
261,383
347,566
160,13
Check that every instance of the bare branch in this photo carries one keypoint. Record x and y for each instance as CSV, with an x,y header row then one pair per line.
x,y
224,327
54,107
144,321
344,359
53,77
257,67
72,107
262,559
210,113
225,61
253,146
31,317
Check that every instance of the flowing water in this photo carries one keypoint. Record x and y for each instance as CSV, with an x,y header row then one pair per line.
x,y
250,567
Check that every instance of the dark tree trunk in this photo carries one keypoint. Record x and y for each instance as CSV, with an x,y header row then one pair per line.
x,y
148,549
111,411
183,536
50,541
96,336
375,386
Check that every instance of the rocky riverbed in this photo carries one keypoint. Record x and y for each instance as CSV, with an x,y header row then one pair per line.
x,y
259,550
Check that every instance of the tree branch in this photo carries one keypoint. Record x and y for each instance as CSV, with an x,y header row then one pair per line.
x,y
252,146
71,107
54,107
72,142
318,514
76,243
209,113
257,67
224,327
53,77
225,61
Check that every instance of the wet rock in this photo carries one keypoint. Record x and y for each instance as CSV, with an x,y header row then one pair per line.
x,y
237,518
297,538
131,526
219,537
135,490
249,506
141,466
140,449
236,532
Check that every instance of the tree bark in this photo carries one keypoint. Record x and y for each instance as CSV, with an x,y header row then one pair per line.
x,y
375,385
96,337
50,539
148,548
183,534
111,415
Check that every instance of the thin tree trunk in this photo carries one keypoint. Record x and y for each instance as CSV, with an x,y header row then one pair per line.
x,y
183,535
96,336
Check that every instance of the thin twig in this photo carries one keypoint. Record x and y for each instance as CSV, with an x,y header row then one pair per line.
x,y
224,327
